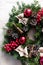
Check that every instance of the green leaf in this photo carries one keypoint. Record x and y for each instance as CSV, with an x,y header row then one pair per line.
x,y
35,2
19,6
31,63
37,35
9,24
16,55
28,41
38,28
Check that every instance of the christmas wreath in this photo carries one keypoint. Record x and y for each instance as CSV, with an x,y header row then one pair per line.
x,y
24,33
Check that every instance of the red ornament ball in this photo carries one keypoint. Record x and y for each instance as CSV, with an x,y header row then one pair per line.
x,y
7,47
22,40
27,12
41,60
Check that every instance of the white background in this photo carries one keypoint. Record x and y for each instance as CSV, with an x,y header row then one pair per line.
x,y
5,9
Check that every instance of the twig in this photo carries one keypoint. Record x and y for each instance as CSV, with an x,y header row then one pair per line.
x,y
19,30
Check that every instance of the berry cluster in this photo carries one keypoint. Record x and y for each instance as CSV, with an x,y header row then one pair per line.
x,y
39,15
14,44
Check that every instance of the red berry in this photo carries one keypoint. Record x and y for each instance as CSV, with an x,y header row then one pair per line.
x,y
40,12
38,18
17,41
13,44
27,12
7,47
22,40
39,15
8,44
41,60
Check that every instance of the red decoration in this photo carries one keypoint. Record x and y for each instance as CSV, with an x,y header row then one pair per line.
x,y
13,44
27,12
38,18
17,41
22,40
39,15
7,47
40,12
41,60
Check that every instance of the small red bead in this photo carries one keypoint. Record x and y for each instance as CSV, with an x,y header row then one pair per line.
x,y
13,44
38,18
27,12
22,40
41,10
17,41
7,47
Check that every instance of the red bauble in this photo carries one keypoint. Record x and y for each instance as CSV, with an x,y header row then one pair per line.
x,y
7,47
22,40
41,60
38,18
27,12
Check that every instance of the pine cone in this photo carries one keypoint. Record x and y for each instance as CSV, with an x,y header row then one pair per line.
x,y
33,20
32,50
34,54
29,47
12,34
25,28
9,32
34,15
15,35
